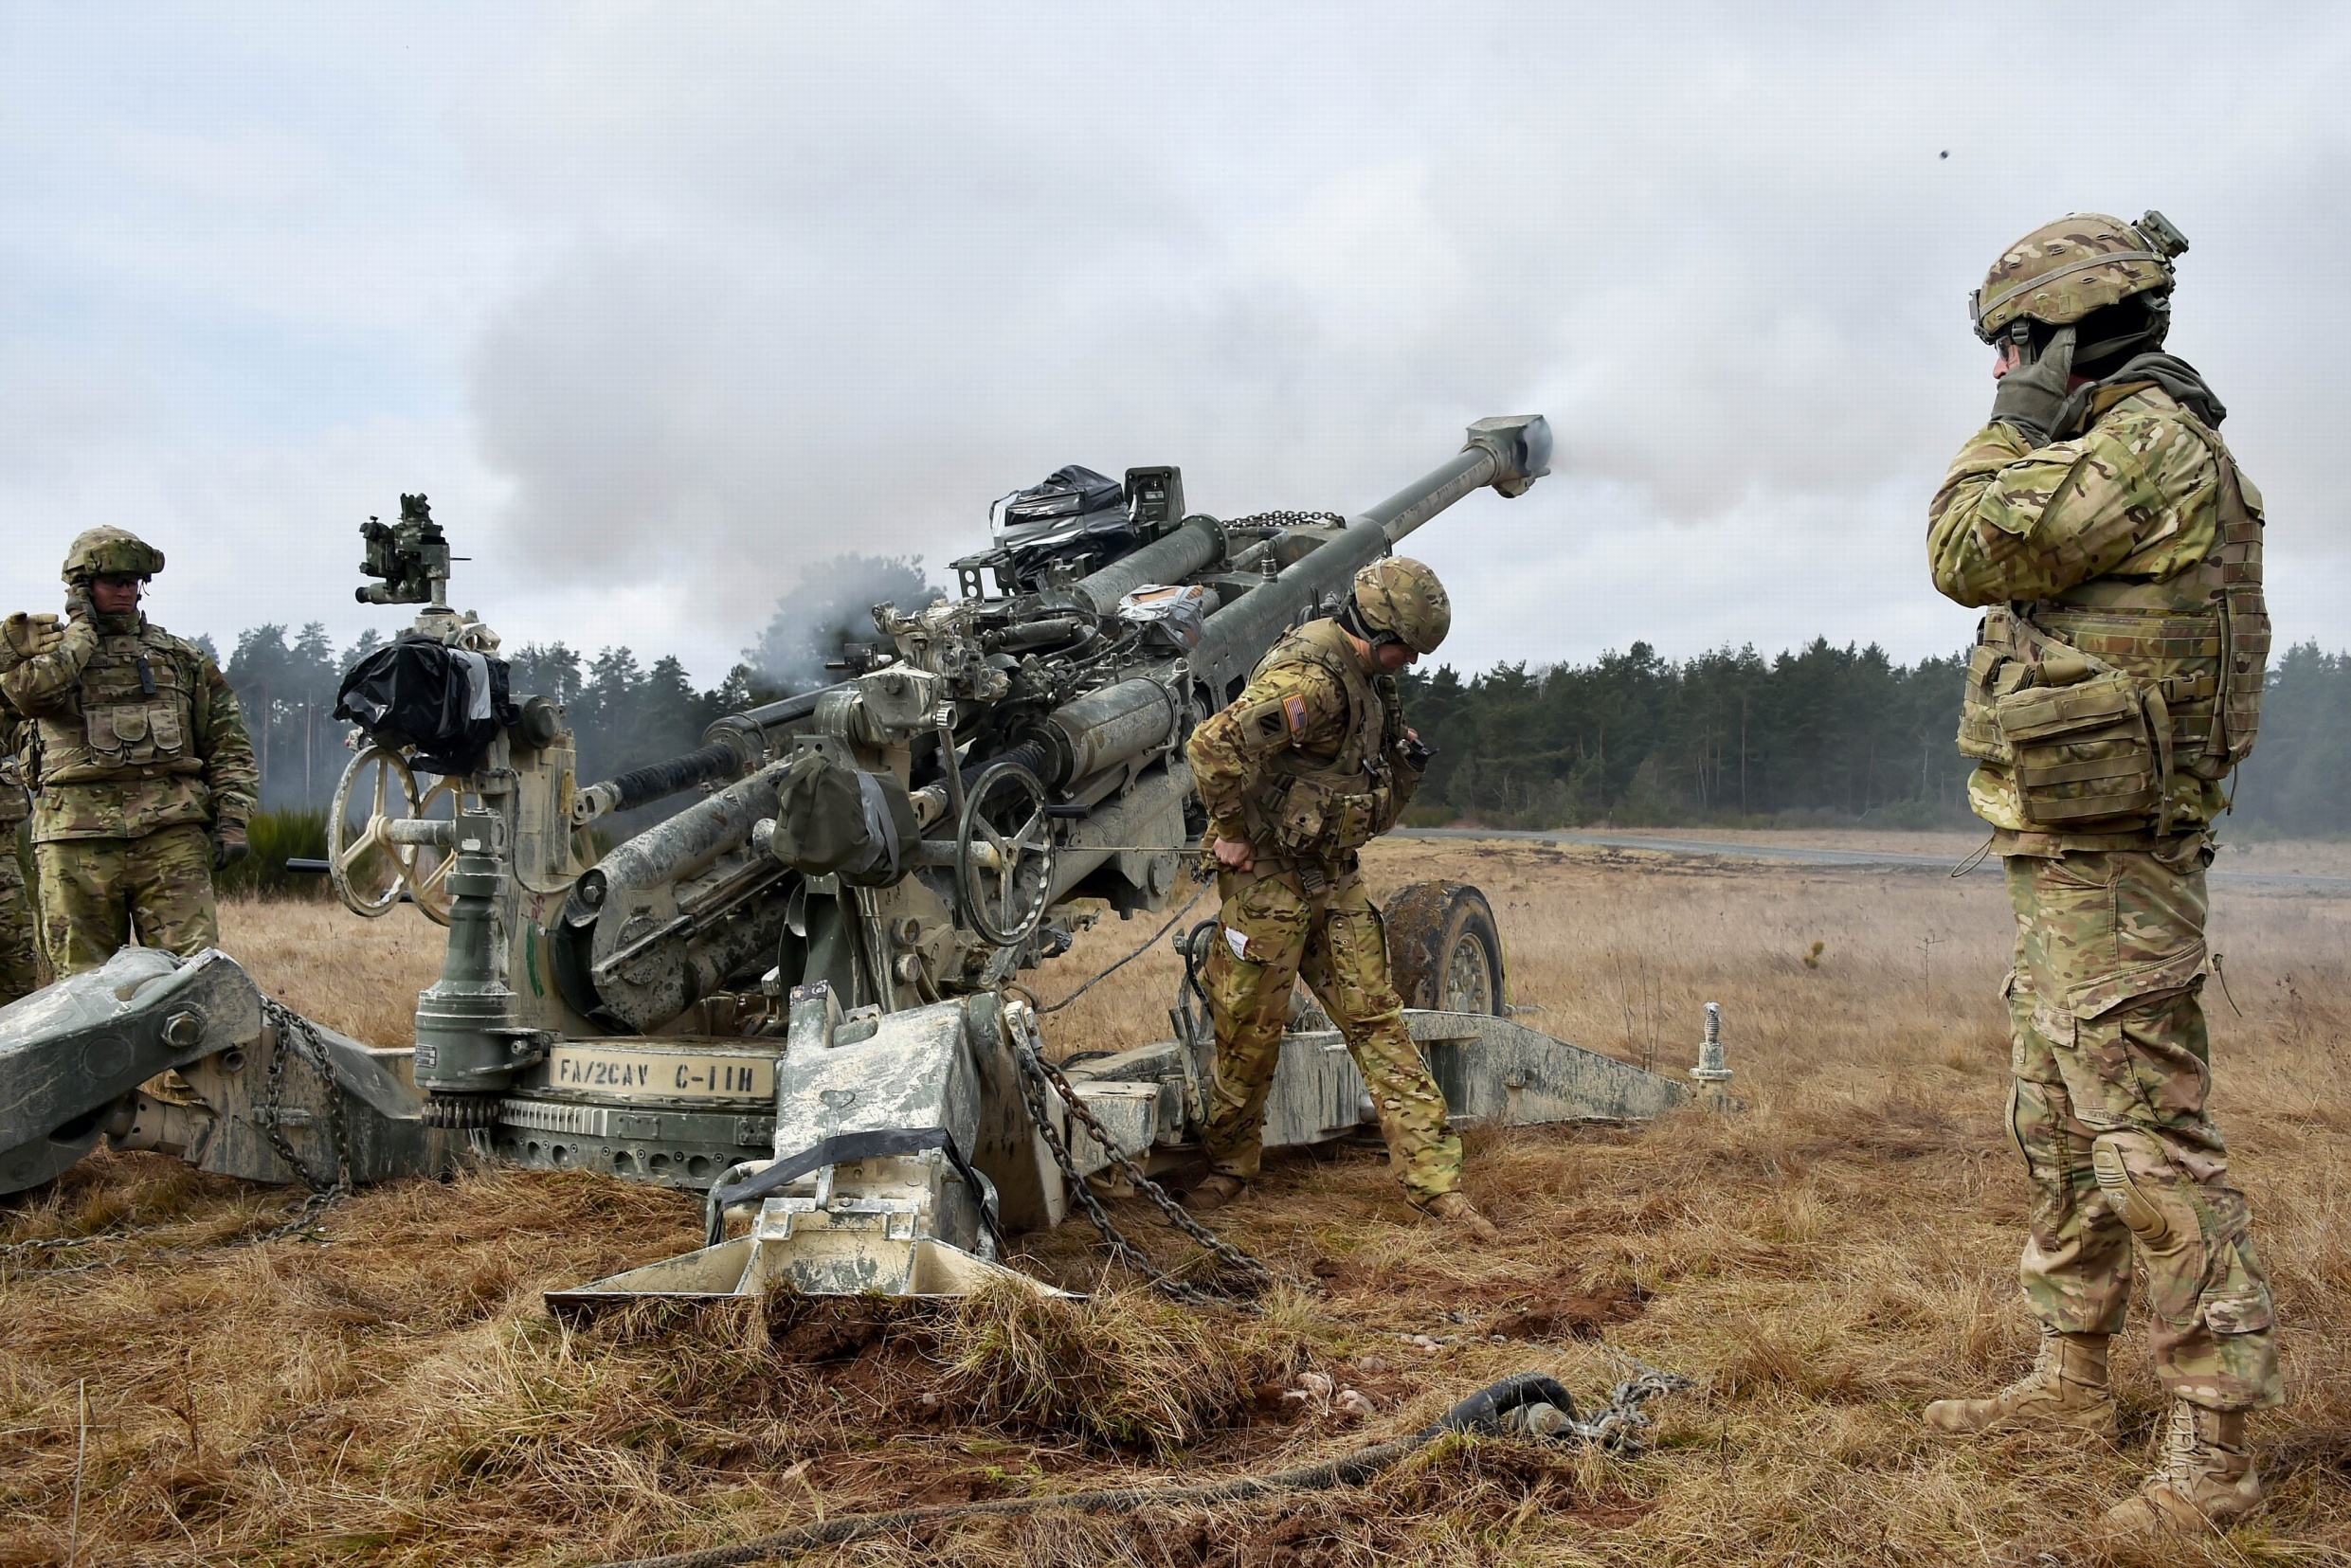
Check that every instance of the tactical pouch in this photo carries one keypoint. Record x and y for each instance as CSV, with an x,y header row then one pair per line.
x,y
1992,673
1403,782
1352,819
128,734
1298,816
1317,819
2083,753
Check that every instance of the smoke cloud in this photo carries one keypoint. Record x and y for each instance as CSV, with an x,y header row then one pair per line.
x,y
828,611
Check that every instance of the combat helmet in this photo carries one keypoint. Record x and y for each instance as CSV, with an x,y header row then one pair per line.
x,y
1402,598
109,553
2063,271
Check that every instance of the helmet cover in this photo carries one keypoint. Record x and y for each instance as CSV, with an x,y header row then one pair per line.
x,y
1403,599
2083,261
110,552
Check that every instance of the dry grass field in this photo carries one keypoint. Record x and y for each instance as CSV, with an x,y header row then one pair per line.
x,y
1821,1262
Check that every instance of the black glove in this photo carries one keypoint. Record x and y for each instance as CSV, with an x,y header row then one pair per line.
x,y
2030,395
228,845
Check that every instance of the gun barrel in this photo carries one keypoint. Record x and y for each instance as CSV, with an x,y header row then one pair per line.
x,y
1508,454
733,746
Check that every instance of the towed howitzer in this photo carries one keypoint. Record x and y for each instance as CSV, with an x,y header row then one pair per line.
x,y
796,992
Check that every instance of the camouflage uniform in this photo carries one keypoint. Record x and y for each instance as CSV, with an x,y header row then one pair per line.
x,y
19,974
138,756
1307,765
2126,560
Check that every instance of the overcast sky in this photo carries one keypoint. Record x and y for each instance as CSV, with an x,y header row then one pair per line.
x,y
662,303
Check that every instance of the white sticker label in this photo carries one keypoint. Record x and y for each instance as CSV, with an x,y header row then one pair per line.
x,y
1239,942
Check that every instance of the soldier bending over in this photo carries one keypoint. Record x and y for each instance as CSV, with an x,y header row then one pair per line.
x,y
1309,765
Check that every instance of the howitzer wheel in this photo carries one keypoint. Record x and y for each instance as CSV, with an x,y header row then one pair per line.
x,y
1445,950
1003,855
371,873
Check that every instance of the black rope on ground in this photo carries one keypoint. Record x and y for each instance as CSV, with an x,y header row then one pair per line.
x,y
1198,894
1484,1411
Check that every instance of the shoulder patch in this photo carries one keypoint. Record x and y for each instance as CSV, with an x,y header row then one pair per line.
x,y
1294,713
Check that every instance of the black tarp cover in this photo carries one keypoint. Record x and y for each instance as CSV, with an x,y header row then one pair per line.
x,y
444,704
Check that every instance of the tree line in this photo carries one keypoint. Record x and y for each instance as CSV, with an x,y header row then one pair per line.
x,y
1816,735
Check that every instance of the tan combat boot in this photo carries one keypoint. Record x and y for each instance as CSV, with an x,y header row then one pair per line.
x,y
2067,1387
2204,1479
1455,1209
1213,1191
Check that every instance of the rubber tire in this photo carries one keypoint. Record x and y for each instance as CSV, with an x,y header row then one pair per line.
x,y
1428,923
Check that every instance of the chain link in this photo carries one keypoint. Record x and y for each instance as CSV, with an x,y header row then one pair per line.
x,y
47,1245
1622,1425
303,1035
1038,1075
296,1034
1284,519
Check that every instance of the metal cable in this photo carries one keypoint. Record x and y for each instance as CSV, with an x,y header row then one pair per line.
x,y
1189,903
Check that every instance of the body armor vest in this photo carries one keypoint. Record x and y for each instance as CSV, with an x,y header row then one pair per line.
x,y
1320,808
132,716
2094,699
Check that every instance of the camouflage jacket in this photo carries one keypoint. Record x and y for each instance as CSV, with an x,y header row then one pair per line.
x,y
15,806
133,729
2135,497
1295,719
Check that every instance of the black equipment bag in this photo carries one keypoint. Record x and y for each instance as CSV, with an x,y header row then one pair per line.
x,y
445,705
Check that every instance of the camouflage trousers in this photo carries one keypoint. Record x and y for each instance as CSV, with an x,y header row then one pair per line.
x,y
1270,934
2111,1068
18,975
96,892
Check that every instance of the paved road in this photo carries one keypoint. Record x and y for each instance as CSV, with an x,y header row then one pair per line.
x,y
1822,854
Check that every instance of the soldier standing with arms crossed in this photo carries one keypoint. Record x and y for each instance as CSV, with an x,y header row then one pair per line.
x,y
1310,762
143,771
2116,681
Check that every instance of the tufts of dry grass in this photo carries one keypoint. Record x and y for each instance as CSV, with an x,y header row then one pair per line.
x,y
1127,1371
1823,1261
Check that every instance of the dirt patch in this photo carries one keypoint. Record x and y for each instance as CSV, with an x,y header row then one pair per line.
x,y
811,1333
1581,1316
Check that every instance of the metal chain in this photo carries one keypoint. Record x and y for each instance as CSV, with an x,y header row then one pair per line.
x,y
1037,1075
50,1244
1622,1425
296,1034
1283,519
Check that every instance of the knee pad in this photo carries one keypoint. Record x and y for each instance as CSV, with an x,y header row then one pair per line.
x,y
2153,1210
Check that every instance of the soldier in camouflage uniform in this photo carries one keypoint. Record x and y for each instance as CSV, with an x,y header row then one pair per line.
x,y
18,972
2116,681
1310,764
142,769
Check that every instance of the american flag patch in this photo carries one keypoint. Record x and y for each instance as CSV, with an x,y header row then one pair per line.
x,y
1293,709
